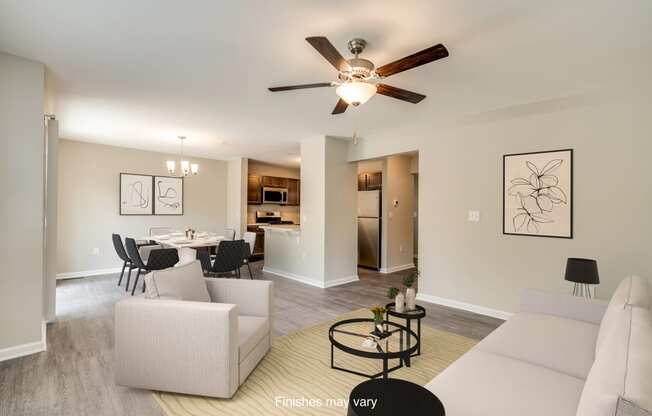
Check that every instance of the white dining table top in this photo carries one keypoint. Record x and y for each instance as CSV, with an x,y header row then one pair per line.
x,y
183,242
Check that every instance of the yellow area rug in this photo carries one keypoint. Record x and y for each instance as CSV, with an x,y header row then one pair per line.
x,y
295,377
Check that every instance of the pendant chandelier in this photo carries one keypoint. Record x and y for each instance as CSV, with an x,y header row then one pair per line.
x,y
186,168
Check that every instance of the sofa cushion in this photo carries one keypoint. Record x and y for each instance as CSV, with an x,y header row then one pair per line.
x,y
632,290
251,330
560,344
483,383
623,366
182,283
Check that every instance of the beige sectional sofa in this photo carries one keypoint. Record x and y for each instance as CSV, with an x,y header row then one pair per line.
x,y
560,355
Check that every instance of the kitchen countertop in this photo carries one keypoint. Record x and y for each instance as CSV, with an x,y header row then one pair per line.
x,y
294,228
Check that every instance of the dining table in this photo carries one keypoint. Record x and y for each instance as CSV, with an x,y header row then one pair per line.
x,y
185,246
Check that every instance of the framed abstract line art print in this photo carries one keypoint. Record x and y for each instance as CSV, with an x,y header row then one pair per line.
x,y
168,195
538,194
135,194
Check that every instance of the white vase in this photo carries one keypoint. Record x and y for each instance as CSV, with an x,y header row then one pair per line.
x,y
410,298
399,303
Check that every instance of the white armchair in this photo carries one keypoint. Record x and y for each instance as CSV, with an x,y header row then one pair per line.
x,y
199,348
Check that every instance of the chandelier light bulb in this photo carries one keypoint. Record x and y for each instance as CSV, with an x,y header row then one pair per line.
x,y
171,166
194,168
185,167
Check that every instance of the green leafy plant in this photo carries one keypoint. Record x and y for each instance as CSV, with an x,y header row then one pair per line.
x,y
392,292
378,312
410,280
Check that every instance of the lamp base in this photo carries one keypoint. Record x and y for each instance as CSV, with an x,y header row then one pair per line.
x,y
584,290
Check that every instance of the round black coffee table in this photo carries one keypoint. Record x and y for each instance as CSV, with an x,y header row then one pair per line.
x,y
417,314
391,397
349,334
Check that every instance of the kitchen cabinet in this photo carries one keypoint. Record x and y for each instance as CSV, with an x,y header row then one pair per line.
x,y
370,181
293,192
374,181
254,190
275,182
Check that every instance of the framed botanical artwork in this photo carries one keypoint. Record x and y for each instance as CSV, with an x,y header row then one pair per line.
x,y
135,194
538,194
168,195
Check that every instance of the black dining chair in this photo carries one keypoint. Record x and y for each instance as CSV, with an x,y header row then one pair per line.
x,y
120,251
229,258
250,242
159,259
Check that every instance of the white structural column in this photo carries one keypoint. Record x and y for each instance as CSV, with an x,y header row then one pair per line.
x,y
323,251
328,212
236,195
21,211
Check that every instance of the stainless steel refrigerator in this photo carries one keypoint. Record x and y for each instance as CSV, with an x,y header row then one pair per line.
x,y
369,229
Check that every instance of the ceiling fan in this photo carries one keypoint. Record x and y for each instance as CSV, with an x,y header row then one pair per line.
x,y
358,78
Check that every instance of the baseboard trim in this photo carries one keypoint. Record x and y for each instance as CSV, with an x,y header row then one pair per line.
x,y
305,280
341,281
386,270
87,273
481,310
25,349
292,276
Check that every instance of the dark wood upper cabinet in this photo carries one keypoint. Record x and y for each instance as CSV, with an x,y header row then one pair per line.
x,y
275,182
374,181
293,192
254,190
370,181
362,182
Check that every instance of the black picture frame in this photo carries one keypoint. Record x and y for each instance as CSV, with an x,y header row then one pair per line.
x,y
120,195
154,193
569,196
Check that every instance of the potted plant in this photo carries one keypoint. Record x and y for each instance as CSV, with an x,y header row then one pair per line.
x,y
410,292
398,297
379,314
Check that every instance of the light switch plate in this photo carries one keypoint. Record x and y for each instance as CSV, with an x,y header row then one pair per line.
x,y
474,216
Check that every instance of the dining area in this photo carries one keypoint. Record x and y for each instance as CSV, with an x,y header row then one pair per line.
x,y
220,255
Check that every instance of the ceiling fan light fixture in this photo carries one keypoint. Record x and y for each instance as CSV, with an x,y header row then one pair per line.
x,y
356,92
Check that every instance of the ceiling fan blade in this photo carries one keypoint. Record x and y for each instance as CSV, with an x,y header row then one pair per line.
x,y
399,93
328,51
301,86
340,107
416,59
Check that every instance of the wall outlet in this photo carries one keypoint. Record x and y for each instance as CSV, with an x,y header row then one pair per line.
x,y
474,216
96,250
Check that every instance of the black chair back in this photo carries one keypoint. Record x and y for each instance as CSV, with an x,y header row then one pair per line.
x,y
132,252
162,258
229,257
204,257
119,248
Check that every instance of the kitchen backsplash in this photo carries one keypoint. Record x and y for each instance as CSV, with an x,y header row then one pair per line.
x,y
287,213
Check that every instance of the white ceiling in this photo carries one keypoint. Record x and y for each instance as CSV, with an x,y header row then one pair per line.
x,y
137,73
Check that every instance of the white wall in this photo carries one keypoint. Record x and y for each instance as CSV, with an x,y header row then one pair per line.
x,y
236,195
21,212
313,208
397,220
51,220
88,201
341,222
461,169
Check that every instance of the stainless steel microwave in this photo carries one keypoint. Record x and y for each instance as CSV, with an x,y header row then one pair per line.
x,y
275,195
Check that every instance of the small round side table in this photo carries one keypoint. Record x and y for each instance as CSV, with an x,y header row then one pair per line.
x,y
418,314
391,397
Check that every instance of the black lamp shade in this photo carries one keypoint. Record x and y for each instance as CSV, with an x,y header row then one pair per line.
x,y
582,271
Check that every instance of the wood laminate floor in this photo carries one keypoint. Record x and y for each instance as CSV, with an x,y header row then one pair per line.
x,y
74,377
